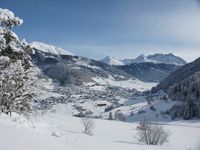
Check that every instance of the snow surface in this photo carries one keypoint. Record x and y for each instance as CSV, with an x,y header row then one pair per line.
x,y
4,60
56,130
49,48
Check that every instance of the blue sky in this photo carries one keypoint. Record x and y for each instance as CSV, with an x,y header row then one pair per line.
x,y
119,28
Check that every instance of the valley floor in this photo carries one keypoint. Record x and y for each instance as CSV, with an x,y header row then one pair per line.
x,y
59,131
54,128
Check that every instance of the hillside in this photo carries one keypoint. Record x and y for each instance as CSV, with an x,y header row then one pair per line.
x,y
180,74
183,85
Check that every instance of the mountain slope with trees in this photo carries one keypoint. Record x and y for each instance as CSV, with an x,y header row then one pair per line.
x,y
183,85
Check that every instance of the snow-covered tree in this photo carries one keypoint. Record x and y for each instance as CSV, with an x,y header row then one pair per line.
x,y
15,89
8,19
119,116
17,75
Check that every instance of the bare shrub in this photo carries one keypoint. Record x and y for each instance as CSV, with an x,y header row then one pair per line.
x,y
89,125
119,116
152,134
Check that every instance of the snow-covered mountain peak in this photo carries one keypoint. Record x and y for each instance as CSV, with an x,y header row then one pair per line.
x,y
141,58
167,59
157,58
112,61
49,48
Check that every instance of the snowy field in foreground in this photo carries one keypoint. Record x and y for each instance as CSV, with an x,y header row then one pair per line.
x,y
57,131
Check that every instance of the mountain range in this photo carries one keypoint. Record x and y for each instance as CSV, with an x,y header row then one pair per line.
x,y
67,68
155,58
64,67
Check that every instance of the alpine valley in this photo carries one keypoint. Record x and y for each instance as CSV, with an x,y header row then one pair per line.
x,y
46,92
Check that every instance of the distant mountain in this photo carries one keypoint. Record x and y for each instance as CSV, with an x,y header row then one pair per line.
x,y
140,59
152,68
157,58
112,61
148,71
167,59
49,48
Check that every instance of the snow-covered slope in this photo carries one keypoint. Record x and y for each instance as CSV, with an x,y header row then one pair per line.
x,y
56,130
157,58
112,61
49,48
129,84
181,74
